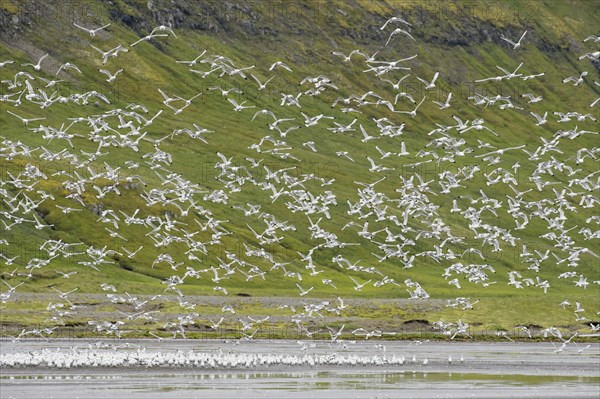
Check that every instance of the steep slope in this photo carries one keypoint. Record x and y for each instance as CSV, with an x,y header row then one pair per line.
x,y
177,189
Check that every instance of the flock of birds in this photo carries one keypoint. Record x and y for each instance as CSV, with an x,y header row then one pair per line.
x,y
406,229
140,357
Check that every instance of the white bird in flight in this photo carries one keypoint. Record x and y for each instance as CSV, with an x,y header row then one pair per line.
x,y
397,31
261,86
163,28
593,38
192,62
540,119
68,65
111,77
37,66
413,113
92,32
25,120
346,58
150,36
517,44
279,64
576,80
358,286
394,19
430,85
303,291
239,107
66,275
445,104
396,85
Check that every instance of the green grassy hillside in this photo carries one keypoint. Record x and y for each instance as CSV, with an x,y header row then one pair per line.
x,y
175,184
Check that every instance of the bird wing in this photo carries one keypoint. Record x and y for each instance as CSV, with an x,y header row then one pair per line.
x,y
536,116
97,49
507,40
255,78
503,70
522,36
364,132
163,94
407,34
520,65
268,80
391,35
81,27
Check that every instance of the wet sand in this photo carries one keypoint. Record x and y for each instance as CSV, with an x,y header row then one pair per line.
x,y
488,370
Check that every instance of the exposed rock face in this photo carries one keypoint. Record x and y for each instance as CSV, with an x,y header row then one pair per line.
x,y
444,26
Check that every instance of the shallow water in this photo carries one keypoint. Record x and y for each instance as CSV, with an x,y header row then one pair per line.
x,y
330,384
489,370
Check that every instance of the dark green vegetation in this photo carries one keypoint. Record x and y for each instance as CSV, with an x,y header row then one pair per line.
x,y
460,40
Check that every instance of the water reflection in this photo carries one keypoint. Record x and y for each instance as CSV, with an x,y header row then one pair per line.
x,y
315,379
